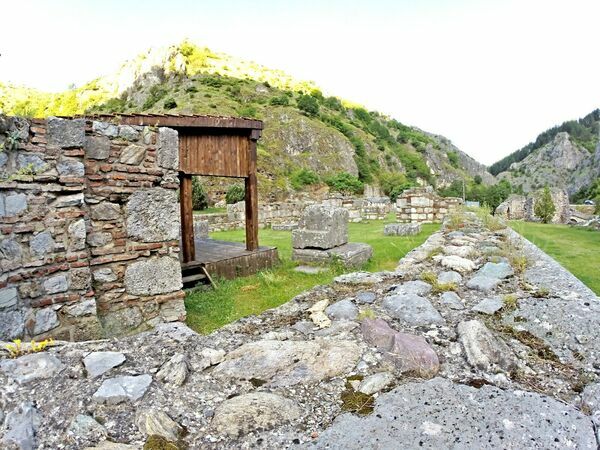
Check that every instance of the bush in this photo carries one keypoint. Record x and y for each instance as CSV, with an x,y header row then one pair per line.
x,y
282,100
393,184
199,198
544,206
308,104
333,103
212,81
248,111
453,158
345,183
157,92
170,103
235,193
303,177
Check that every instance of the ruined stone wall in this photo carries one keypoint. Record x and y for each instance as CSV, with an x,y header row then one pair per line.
x,y
89,223
277,213
423,205
519,207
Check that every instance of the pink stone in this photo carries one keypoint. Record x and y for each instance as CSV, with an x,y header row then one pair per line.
x,y
410,353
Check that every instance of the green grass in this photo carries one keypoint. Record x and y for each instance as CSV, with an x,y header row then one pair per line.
x,y
209,310
211,210
577,249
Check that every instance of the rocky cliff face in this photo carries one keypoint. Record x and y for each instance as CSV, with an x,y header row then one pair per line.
x,y
561,163
439,163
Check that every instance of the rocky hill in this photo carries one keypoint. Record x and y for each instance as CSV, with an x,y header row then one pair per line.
x,y
562,163
566,156
305,131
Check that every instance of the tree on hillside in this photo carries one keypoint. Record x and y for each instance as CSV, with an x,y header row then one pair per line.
x,y
308,104
199,198
544,206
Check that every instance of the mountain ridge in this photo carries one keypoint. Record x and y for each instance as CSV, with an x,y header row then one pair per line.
x,y
304,130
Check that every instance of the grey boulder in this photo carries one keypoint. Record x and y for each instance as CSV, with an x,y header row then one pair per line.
x,y
411,309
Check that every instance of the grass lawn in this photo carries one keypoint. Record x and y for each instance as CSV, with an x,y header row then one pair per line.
x,y
211,210
576,249
209,310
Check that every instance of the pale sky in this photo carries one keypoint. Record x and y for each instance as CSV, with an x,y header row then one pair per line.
x,y
488,74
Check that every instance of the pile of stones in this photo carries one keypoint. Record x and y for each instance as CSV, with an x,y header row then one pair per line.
x,y
464,345
322,237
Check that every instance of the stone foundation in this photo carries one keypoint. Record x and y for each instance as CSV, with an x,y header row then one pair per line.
x,y
424,205
402,229
352,254
89,222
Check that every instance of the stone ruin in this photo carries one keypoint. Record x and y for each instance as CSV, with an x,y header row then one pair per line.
x,y
424,205
519,207
322,236
401,229
459,346
89,228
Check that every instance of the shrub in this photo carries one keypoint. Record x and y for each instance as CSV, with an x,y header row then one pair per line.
x,y
544,206
308,104
199,198
235,193
247,111
170,103
212,81
303,177
393,184
345,183
156,93
453,158
333,103
282,100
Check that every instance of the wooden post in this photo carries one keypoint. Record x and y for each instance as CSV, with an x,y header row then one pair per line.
x,y
252,195
187,218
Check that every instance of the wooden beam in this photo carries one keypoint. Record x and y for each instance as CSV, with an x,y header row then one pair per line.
x,y
252,197
187,218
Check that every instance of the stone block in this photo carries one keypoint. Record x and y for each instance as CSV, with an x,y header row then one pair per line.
x,y
97,147
56,284
11,324
201,228
99,239
106,129
65,132
41,244
13,204
33,161
290,226
8,297
129,133
63,201
45,320
352,254
167,152
321,227
153,276
70,167
153,215
81,278
77,235
402,229
10,249
133,154
104,275
105,211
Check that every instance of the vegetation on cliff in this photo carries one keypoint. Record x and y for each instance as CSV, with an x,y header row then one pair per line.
x,y
304,129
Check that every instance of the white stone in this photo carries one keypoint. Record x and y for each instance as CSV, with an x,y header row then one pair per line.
x,y
98,363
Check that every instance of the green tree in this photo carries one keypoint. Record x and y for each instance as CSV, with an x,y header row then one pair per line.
x,y
477,179
345,183
544,206
199,198
303,177
308,104
235,193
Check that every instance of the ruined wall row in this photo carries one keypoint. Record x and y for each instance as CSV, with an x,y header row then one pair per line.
x,y
89,221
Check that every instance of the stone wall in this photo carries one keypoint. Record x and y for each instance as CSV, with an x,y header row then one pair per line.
x,y
519,207
277,213
89,222
424,205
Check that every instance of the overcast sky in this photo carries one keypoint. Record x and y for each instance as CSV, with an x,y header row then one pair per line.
x,y
488,74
